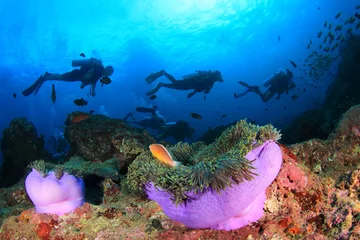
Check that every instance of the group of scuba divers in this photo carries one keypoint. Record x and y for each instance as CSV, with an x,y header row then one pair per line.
x,y
90,71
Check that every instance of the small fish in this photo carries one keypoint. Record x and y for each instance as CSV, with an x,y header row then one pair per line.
x,y
357,15
53,94
82,55
196,116
162,154
320,46
279,39
352,19
304,89
338,27
339,37
14,95
357,26
266,109
338,15
318,8
325,39
223,116
330,26
155,107
284,107
357,7
319,34
349,30
294,97
80,102
152,97
325,23
79,117
105,80
91,111
308,47
293,64
310,42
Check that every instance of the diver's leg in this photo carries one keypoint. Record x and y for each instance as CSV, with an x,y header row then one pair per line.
x,y
170,77
152,77
127,116
157,88
191,94
34,87
72,76
241,94
266,96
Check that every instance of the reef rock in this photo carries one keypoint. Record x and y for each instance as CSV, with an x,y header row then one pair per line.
x,y
98,138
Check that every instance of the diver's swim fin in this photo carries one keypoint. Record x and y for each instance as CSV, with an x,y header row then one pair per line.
x,y
152,77
34,87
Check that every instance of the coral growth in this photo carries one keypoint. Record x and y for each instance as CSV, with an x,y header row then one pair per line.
x,y
20,146
98,138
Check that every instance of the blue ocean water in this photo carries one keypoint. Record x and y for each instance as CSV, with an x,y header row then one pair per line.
x,y
246,40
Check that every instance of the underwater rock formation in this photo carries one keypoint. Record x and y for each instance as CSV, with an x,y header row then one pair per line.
x,y
20,146
98,138
342,94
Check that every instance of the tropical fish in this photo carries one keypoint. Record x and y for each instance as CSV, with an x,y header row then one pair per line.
x,y
53,94
293,64
337,15
80,102
152,97
162,154
105,80
196,116
79,117
338,27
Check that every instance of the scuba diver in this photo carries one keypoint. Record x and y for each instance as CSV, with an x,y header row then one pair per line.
x,y
91,70
179,131
278,83
201,81
156,121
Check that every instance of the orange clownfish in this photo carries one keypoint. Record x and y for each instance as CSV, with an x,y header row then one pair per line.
x,y
162,154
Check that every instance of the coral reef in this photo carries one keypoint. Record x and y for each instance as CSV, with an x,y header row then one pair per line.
x,y
20,145
315,196
98,138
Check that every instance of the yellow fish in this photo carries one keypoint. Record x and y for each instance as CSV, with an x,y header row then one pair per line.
x,y
162,154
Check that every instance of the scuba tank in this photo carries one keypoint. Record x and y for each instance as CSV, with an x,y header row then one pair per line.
x,y
273,78
192,75
82,62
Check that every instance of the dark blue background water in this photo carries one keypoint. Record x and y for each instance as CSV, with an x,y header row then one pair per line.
x,y
238,38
